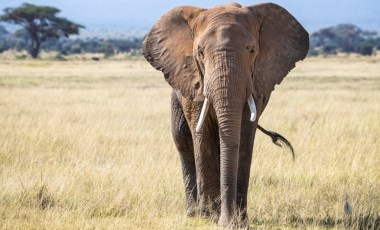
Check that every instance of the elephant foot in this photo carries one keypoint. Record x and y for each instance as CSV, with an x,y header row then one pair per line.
x,y
191,211
210,209
233,222
224,222
209,213
212,215
199,210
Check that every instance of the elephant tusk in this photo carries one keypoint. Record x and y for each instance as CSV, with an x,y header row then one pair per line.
x,y
202,117
252,107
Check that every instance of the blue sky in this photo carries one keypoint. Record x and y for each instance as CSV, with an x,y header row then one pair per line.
x,y
127,15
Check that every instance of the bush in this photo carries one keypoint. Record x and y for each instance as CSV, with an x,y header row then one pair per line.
x,y
329,49
3,46
364,48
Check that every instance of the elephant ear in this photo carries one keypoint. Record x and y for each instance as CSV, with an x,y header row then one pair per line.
x,y
282,42
169,48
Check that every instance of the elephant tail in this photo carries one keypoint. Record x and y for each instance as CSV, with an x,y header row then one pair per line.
x,y
278,139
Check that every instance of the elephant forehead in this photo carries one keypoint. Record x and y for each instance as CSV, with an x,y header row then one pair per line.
x,y
233,35
224,18
228,15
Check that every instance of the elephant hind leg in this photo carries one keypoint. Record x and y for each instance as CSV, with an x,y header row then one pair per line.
x,y
184,144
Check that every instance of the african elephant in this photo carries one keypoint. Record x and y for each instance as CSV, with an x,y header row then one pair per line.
x,y
222,64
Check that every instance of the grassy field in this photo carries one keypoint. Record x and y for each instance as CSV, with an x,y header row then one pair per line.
x,y
87,145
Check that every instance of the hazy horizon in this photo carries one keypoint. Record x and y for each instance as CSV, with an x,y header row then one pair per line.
x,y
136,17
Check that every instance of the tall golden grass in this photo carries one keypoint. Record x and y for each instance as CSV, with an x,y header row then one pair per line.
x,y
87,145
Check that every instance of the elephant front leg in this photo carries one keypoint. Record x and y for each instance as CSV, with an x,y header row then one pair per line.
x,y
206,150
247,135
184,143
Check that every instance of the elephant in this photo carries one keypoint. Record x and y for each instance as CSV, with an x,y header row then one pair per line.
x,y
222,64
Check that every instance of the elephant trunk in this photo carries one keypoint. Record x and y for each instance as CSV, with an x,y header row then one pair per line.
x,y
227,91
229,122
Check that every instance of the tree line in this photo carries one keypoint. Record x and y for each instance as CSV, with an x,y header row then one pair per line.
x,y
20,40
41,28
344,38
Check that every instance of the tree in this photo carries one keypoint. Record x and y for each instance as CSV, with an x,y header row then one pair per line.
x,y
345,38
4,44
3,31
41,23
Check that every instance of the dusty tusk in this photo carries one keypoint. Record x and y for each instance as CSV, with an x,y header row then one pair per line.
x,y
252,107
202,117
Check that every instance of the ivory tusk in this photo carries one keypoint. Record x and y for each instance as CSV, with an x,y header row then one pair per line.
x,y
252,107
202,117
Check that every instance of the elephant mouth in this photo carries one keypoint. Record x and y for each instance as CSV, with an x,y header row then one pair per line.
x,y
206,105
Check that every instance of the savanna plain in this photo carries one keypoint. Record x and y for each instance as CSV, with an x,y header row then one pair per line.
x,y
87,145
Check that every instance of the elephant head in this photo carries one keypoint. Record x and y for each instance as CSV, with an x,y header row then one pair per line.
x,y
226,56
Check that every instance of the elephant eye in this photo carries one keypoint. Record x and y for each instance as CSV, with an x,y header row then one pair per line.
x,y
250,49
200,54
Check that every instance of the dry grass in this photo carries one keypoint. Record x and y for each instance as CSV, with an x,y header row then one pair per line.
x,y
87,145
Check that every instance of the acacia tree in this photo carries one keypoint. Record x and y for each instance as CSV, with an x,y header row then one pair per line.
x,y
41,23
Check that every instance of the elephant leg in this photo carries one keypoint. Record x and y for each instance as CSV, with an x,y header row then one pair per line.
x,y
184,144
247,135
206,151
206,148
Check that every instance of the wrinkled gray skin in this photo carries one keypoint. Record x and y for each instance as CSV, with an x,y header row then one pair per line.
x,y
226,53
